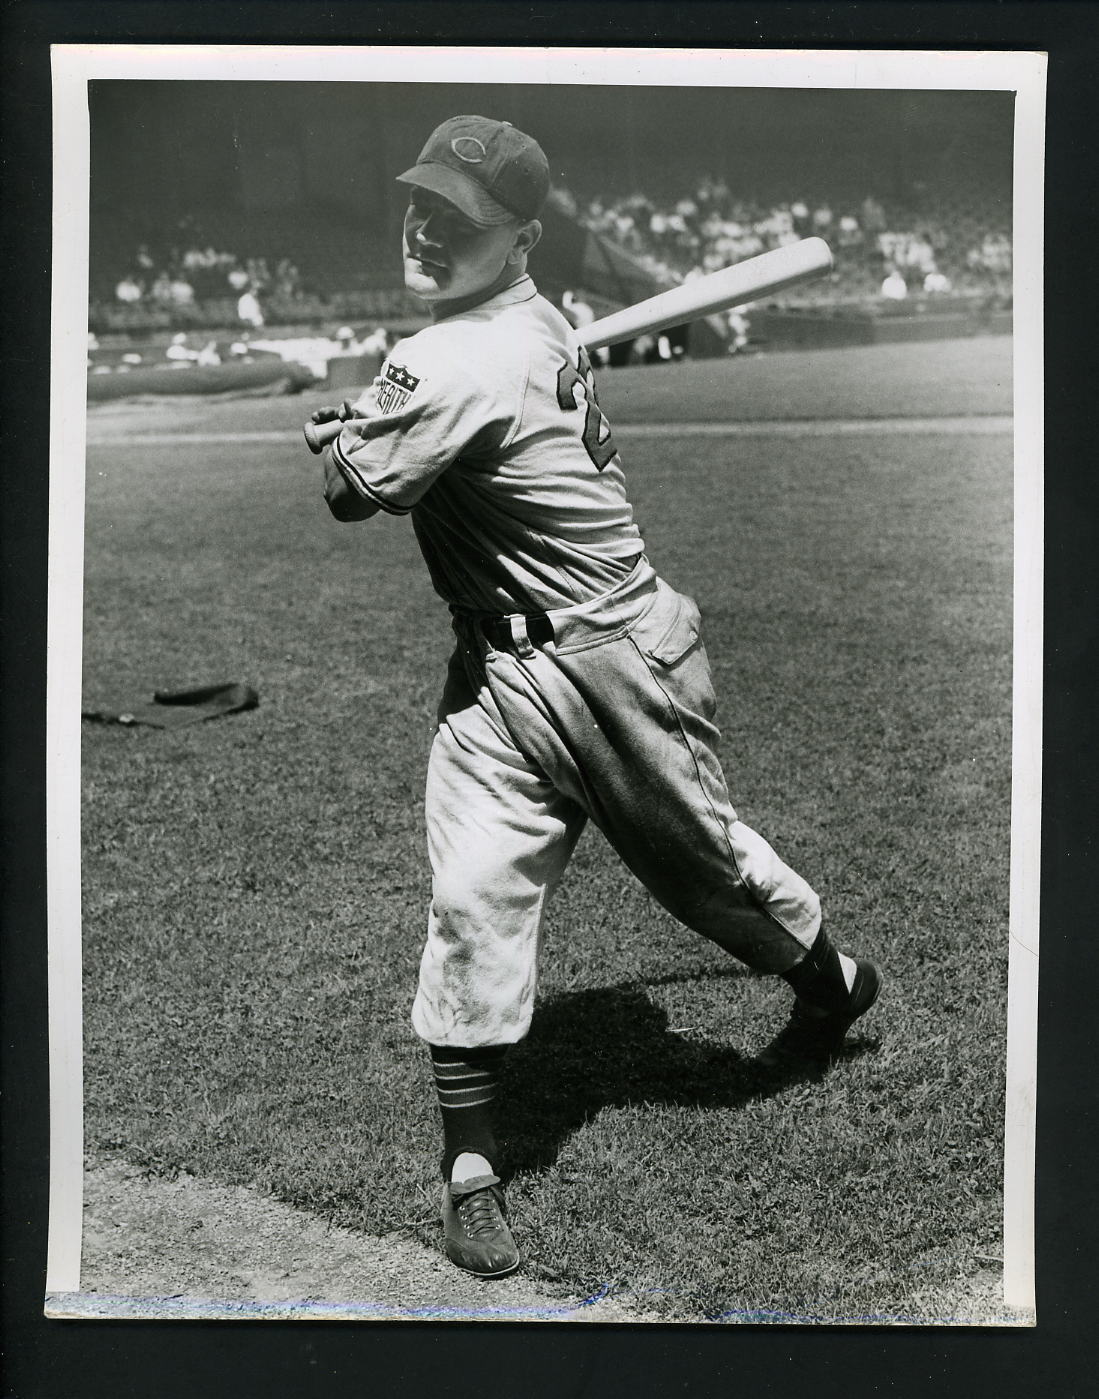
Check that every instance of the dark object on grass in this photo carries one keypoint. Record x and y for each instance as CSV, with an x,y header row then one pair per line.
x,y
171,709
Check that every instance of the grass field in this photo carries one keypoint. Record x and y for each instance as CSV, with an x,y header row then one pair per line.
x,y
255,889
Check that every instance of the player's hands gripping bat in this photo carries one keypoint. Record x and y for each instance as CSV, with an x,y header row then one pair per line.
x,y
750,280
330,421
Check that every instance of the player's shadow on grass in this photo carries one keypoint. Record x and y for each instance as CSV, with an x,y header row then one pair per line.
x,y
610,1047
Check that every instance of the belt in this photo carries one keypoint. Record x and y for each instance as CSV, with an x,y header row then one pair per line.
x,y
576,626
508,633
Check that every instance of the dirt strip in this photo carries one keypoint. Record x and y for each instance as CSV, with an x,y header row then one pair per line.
x,y
185,1248
189,1250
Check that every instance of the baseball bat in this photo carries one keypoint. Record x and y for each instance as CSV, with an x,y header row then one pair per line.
x,y
756,277
750,280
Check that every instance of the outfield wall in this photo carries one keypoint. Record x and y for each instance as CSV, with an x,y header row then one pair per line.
x,y
817,330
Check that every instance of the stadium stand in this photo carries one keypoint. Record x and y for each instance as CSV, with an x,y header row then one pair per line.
x,y
965,242
306,267
255,240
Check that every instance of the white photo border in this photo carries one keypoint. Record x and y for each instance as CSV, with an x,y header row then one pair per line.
x,y
75,65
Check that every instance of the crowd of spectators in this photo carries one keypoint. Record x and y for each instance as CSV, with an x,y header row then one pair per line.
x,y
175,278
879,253
883,256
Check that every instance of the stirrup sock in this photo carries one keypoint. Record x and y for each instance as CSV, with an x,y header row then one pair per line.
x,y
466,1081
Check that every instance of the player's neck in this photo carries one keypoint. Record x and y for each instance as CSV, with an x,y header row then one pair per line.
x,y
440,310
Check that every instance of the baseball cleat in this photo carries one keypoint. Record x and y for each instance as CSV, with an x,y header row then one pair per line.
x,y
475,1224
810,1039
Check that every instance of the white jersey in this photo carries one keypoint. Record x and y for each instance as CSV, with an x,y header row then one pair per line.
x,y
485,427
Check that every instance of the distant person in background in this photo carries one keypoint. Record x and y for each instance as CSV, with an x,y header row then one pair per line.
x,y
579,314
739,328
287,284
179,352
258,274
129,290
238,279
936,283
849,231
376,343
161,290
918,254
641,349
894,288
994,254
249,311
181,292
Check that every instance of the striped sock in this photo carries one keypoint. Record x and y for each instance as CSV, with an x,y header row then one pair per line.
x,y
466,1082
822,980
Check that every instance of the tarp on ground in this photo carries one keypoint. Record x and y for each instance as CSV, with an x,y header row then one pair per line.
x,y
268,376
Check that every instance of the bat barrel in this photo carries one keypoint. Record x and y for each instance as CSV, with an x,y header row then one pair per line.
x,y
751,280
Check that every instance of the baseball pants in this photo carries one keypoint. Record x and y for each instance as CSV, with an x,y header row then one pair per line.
x,y
607,716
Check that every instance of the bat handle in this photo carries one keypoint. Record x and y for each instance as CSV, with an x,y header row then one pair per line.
x,y
318,435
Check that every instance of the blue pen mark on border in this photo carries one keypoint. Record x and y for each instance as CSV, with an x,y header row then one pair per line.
x,y
182,1307
106,1305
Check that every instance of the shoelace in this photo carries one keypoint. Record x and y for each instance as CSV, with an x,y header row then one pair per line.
x,y
479,1213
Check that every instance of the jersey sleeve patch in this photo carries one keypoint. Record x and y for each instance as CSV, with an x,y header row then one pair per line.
x,y
396,387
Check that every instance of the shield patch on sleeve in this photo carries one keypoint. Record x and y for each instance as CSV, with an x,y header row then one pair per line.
x,y
396,388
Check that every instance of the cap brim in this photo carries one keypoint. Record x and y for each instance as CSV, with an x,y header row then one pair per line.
x,y
464,193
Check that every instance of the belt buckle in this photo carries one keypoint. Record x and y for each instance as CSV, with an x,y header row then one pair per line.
x,y
517,632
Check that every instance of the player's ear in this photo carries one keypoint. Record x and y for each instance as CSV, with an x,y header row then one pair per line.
x,y
526,238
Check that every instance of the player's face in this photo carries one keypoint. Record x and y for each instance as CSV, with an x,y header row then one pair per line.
x,y
447,257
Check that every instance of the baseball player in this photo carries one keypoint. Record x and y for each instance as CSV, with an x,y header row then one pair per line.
x,y
579,687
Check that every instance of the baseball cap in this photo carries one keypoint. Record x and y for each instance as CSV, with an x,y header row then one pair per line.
x,y
489,169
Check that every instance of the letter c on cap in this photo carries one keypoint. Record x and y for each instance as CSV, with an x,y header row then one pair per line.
x,y
469,149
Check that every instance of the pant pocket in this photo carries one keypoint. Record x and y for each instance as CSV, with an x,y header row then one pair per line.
x,y
670,630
